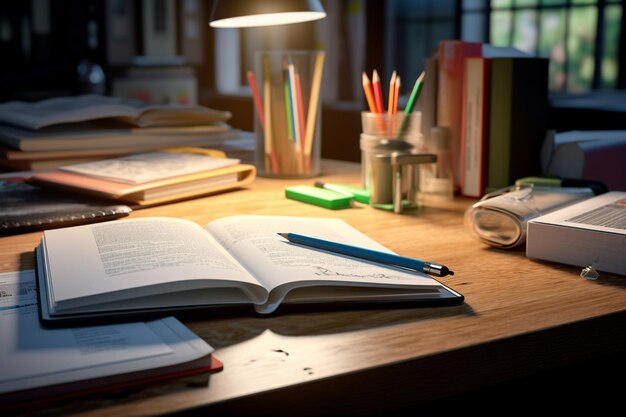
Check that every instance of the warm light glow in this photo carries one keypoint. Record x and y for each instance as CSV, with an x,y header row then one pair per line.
x,y
267,19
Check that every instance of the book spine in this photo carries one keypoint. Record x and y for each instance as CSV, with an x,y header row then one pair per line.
x,y
475,127
518,119
451,56
500,123
529,117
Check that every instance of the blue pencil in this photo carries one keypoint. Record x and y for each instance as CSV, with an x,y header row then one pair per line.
x,y
370,255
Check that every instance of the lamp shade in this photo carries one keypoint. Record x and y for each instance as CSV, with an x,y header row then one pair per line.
x,y
249,13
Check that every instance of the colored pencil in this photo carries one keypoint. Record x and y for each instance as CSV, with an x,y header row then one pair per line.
x,y
417,88
396,94
378,92
369,254
293,101
369,95
270,153
411,103
313,103
391,95
300,103
256,97
289,120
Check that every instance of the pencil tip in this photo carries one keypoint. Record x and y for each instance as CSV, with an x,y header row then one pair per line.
x,y
283,235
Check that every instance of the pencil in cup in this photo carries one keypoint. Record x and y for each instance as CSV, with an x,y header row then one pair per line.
x,y
288,140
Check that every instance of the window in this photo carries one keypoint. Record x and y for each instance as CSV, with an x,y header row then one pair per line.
x,y
413,31
581,37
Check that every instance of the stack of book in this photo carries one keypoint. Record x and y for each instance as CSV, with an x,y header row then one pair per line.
x,y
152,177
495,102
65,130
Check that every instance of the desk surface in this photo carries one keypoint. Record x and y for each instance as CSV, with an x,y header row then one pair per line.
x,y
520,317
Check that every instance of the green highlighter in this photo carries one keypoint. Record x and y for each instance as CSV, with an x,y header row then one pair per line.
x,y
319,197
359,194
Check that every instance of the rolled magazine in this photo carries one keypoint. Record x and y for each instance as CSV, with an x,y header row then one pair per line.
x,y
499,218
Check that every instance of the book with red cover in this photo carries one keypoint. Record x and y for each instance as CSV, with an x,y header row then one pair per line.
x,y
42,364
200,368
475,126
451,57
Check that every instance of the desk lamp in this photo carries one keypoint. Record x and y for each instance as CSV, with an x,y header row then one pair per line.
x,y
251,13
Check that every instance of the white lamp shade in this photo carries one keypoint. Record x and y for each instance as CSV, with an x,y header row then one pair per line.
x,y
250,13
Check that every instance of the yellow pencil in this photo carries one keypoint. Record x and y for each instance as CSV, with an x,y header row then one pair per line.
x,y
392,93
313,101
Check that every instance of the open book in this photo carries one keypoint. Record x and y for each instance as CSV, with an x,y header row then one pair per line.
x,y
152,264
40,364
91,107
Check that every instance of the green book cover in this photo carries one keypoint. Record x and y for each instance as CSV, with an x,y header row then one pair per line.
x,y
517,120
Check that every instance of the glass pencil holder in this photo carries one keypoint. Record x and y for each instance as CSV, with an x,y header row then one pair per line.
x,y
388,145
287,112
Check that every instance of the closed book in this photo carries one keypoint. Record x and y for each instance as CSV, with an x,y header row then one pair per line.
x,y
591,232
27,208
590,155
41,364
476,106
87,107
450,61
475,126
517,119
39,165
89,136
48,160
157,189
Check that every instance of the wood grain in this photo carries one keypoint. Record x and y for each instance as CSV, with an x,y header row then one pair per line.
x,y
520,316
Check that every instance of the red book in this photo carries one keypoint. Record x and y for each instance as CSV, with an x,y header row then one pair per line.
x,y
475,126
170,352
451,58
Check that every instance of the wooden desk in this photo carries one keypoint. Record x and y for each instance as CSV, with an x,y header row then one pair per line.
x,y
520,317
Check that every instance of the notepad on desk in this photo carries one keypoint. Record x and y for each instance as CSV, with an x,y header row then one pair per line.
x,y
153,177
40,364
150,265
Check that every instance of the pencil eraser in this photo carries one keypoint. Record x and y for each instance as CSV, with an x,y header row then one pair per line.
x,y
318,197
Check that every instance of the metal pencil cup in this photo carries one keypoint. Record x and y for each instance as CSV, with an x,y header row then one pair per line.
x,y
288,113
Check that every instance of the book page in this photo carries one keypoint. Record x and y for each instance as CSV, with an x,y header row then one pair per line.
x,y
67,109
32,356
132,258
603,213
254,241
